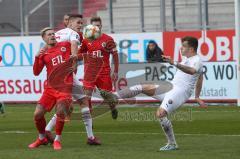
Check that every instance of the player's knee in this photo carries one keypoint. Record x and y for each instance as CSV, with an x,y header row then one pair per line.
x,y
80,101
84,102
161,113
149,89
39,112
38,116
61,109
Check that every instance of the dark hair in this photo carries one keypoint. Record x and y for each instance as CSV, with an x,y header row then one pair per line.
x,y
152,42
192,42
73,16
96,19
44,30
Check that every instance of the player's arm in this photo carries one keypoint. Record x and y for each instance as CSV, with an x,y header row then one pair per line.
x,y
74,48
116,64
82,50
38,63
198,89
185,69
74,40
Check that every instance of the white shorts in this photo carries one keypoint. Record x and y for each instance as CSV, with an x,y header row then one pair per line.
x,y
77,90
173,99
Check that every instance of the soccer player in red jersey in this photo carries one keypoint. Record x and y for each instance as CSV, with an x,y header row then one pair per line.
x,y
73,35
54,55
97,71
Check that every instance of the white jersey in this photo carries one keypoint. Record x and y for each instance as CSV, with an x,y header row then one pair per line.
x,y
67,34
186,81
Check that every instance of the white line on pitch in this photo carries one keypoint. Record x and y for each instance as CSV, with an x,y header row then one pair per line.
x,y
120,133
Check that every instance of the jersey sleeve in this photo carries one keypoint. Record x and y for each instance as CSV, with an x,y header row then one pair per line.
x,y
111,45
38,65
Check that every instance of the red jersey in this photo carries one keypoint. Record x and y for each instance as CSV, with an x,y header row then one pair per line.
x,y
0,59
52,58
96,54
80,37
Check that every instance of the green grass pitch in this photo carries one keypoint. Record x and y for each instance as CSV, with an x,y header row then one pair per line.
x,y
201,133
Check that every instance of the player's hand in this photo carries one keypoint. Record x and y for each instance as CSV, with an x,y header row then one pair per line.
x,y
115,76
168,59
40,52
201,103
74,59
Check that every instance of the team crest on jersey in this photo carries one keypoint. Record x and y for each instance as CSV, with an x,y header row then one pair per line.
x,y
63,49
109,46
170,101
104,44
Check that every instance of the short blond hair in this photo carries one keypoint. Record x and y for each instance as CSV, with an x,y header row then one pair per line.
x,y
43,31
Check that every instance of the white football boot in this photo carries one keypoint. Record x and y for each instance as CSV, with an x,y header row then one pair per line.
x,y
169,147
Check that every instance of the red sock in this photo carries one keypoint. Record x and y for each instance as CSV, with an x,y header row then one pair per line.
x,y
40,125
59,124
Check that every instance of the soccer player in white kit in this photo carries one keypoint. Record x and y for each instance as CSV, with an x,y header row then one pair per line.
x,y
71,34
188,76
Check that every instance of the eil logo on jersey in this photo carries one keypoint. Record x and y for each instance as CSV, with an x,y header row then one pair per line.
x,y
63,49
57,60
97,54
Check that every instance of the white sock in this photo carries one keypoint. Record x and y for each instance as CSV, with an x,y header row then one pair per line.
x,y
87,119
57,138
168,130
51,124
41,136
130,92
137,87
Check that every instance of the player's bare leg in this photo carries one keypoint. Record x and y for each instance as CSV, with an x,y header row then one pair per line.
x,y
52,123
68,115
129,93
61,111
114,111
40,124
111,100
168,130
